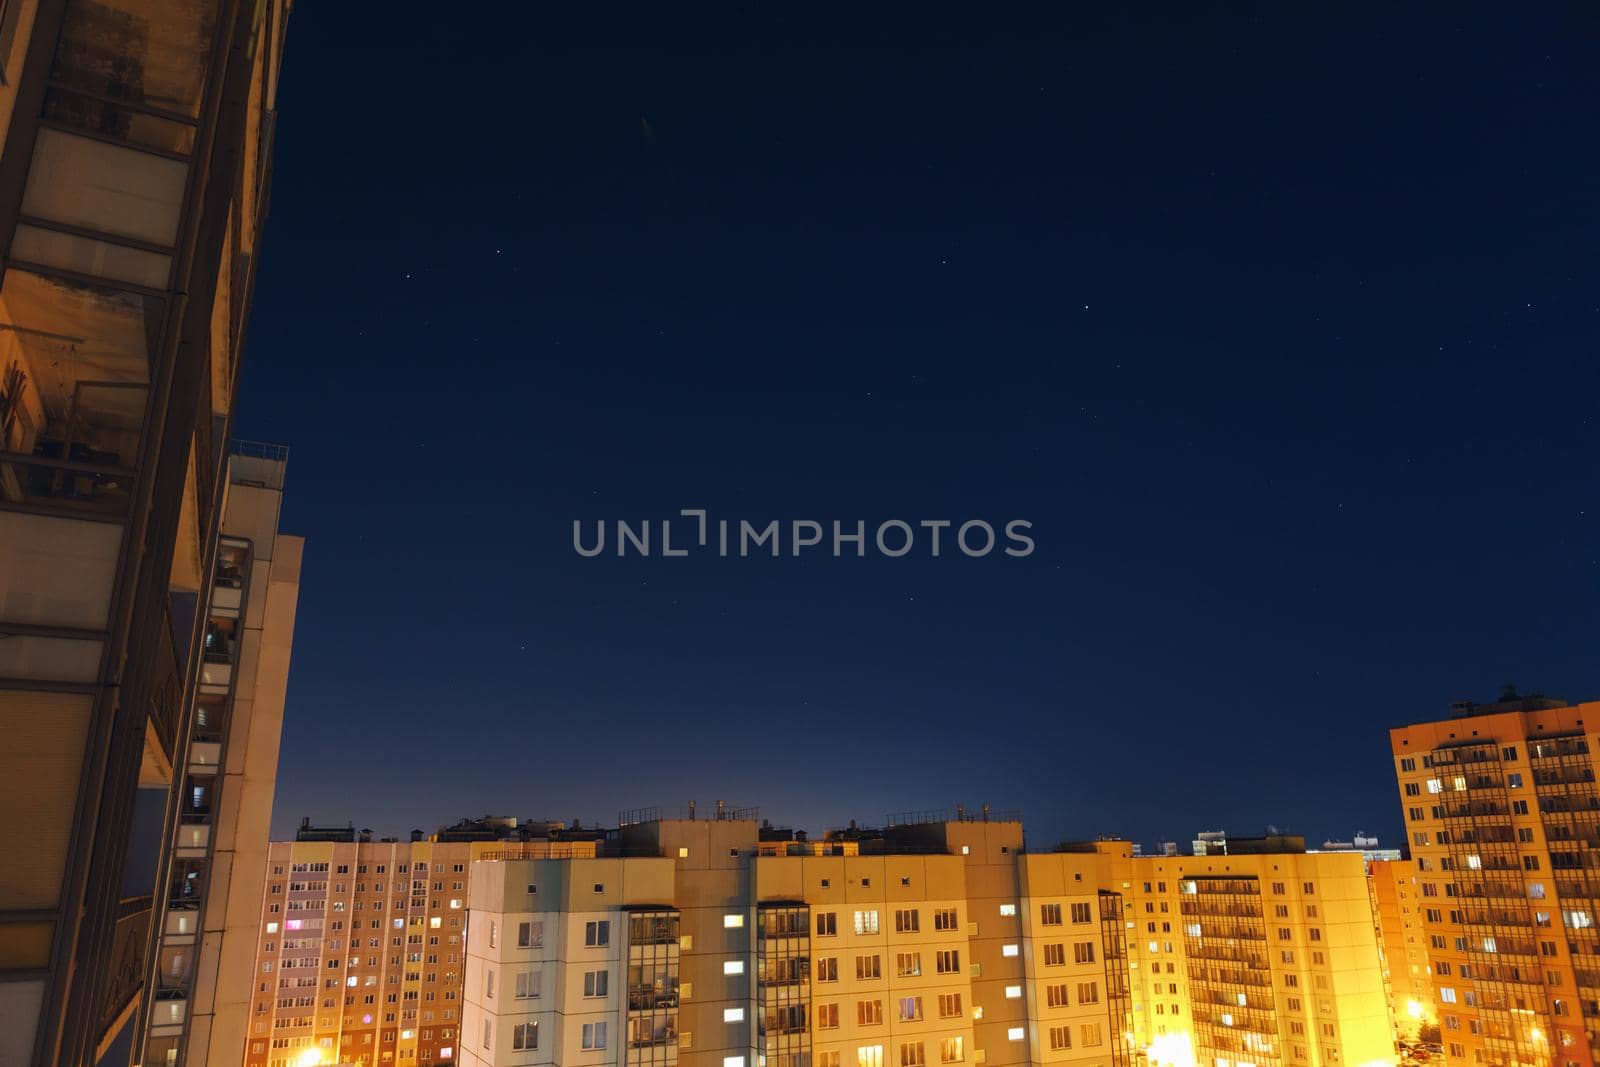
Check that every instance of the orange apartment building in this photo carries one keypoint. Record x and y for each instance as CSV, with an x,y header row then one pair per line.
x,y
1504,820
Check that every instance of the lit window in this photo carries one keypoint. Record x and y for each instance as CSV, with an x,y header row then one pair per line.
x,y
1008,950
733,1061
733,966
733,921
1015,1033
446,1052
1008,909
733,1015
272,928
683,852
966,850
435,922
1013,992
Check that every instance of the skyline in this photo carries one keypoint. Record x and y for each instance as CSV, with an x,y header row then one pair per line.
x,y
1278,328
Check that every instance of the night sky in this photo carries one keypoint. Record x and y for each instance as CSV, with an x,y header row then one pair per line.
x,y
1280,327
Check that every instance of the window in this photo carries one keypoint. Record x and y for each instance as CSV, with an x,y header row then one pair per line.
x,y
488,1033
947,961
1008,909
1013,992
1081,913
596,935
827,924
905,921
944,918
733,1015
869,1056
594,1035
1050,914
910,1009
493,935
908,964
527,985
596,983
1089,1035
525,1036
1089,993
866,922
828,1016
530,935
1008,950
731,967
734,920
952,1049
828,1059
949,1005
488,985
867,968
1055,955
1056,996
1083,952
827,970
1060,1037
911,1054
869,1012
1016,1033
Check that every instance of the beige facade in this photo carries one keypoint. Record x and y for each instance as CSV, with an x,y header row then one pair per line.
x,y
205,941
936,942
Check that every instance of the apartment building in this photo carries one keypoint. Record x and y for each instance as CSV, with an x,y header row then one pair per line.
x,y
358,946
1504,817
1407,972
203,942
135,146
934,940
1265,956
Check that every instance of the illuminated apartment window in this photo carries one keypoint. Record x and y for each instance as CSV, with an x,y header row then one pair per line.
x,y
910,1009
952,1050
1015,1033
733,966
1008,950
1013,992
733,921
869,1056
733,1061
866,922
683,852
1008,909
733,1015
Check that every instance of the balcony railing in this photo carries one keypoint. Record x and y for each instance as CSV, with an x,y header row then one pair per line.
x,y
127,969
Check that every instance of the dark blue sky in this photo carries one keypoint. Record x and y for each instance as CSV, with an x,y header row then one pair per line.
x,y
1280,327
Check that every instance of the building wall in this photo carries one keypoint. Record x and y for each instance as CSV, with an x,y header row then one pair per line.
x,y
1407,971
1279,955
1503,812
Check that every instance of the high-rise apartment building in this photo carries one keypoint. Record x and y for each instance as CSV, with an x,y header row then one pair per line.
x,y
203,944
1407,971
356,947
135,139
935,941
1264,957
1504,817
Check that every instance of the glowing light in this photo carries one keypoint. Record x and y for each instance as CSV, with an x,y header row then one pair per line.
x,y
1536,1033
1172,1050
311,1057
1414,1008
